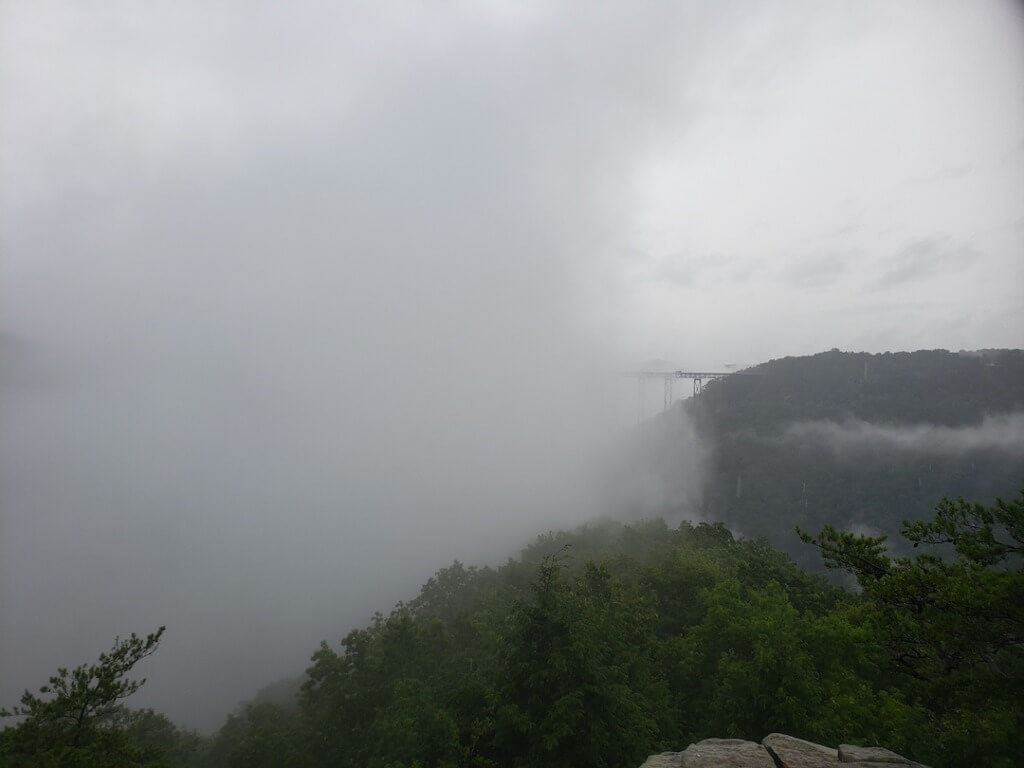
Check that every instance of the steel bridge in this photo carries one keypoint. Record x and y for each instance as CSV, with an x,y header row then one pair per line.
x,y
698,378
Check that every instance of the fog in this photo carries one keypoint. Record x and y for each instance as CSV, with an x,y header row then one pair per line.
x,y
1002,433
299,303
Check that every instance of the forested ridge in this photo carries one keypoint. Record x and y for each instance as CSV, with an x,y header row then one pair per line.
x,y
862,441
933,386
601,645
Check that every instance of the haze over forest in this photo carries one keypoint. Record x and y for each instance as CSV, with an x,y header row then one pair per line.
x,y
301,302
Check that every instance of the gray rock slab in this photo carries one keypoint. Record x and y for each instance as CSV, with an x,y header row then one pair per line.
x,y
664,760
726,753
849,753
791,752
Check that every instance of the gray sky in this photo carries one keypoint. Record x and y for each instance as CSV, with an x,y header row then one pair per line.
x,y
300,301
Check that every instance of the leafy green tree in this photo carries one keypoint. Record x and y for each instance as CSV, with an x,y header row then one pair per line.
x,y
951,620
946,614
270,739
579,686
746,669
156,736
78,720
401,692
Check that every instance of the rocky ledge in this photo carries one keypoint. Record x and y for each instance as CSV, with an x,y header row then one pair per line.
x,y
775,751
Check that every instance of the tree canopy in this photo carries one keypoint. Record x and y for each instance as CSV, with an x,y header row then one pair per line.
x,y
599,646
602,645
950,617
79,720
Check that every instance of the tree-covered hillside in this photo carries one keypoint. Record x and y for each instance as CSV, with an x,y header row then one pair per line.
x,y
855,439
600,646
928,386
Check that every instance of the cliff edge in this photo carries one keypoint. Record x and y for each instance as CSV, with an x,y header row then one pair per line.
x,y
776,750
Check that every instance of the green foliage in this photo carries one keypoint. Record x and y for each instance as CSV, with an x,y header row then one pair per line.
x,y
752,647
154,735
407,690
602,645
579,683
265,736
982,535
954,625
945,615
653,637
79,719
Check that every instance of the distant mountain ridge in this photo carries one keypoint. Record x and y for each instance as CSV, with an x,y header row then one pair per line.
x,y
934,386
857,439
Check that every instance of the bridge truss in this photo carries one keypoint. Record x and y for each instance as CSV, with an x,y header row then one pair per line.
x,y
669,377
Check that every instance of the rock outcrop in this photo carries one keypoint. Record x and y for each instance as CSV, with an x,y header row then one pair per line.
x,y
776,750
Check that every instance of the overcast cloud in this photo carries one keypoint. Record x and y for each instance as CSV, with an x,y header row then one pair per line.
x,y
301,301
